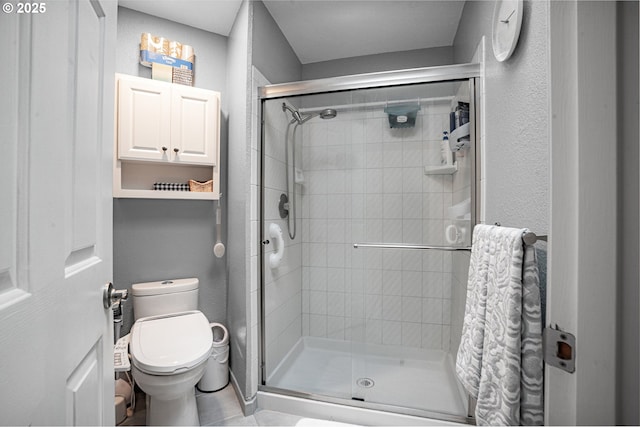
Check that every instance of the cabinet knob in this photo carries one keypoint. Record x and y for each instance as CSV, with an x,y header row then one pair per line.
x,y
164,148
176,150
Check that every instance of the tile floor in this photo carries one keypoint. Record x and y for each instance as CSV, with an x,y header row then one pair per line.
x,y
223,409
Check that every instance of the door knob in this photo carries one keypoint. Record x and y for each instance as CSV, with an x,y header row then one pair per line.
x,y
176,150
111,296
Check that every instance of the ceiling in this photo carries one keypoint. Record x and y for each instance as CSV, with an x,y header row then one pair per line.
x,y
322,30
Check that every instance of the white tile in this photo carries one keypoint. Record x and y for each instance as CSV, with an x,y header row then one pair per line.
x,y
391,333
356,282
412,205
432,285
373,207
411,309
372,231
318,254
337,204
392,307
412,283
433,206
446,311
372,130
336,181
373,306
373,331
412,231
374,181
411,334
373,155
412,260
317,302
412,154
432,311
373,282
336,231
392,282
392,206
392,180
432,336
357,306
391,259
336,280
317,325
358,180
392,230
412,180
318,206
335,304
316,182
335,255
318,279
317,230
335,327
392,155
432,261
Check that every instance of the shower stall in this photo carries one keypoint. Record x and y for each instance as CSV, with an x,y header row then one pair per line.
x,y
369,189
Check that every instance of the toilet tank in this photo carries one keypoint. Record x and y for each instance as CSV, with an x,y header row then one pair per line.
x,y
164,297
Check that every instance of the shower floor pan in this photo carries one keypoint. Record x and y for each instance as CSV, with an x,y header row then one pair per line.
x,y
398,376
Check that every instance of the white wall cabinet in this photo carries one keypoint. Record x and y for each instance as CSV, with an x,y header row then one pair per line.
x,y
165,133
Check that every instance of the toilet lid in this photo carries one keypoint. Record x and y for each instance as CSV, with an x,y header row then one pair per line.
x,y
163,345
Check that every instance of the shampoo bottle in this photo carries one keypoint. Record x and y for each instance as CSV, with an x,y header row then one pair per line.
x,y
446,156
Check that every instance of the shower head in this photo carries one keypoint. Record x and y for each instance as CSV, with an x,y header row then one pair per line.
x,y
328,113
297,117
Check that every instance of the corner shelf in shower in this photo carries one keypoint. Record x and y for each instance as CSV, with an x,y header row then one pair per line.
x,y
441,169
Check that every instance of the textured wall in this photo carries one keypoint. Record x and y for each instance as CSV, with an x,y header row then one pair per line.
x,y
165,239
271,52
381,62
516,111
238,198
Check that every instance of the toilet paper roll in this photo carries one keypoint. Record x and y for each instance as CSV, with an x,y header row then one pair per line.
x,y
453,234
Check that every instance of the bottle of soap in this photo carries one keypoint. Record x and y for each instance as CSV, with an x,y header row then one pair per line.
x,y
446,156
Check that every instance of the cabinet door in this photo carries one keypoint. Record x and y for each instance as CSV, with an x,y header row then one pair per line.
x,y
144,126
195,117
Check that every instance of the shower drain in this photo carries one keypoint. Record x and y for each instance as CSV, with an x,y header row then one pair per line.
x,y
365,382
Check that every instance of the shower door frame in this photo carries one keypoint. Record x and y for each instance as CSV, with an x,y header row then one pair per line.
x,y
449,73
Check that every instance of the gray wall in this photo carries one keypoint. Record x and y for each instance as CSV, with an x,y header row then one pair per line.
x,y
239,190
165,239
380,62
210,68
516,116
628,352
270,50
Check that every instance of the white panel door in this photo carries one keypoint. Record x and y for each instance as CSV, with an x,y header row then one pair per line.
x,y
194,124
144,119
56,121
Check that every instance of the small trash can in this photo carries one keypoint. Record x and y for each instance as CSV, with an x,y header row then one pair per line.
x,y
216,374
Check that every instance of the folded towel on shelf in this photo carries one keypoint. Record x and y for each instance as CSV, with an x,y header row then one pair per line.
x,y
499,360
171,186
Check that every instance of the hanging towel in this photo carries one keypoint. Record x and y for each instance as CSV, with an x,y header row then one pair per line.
x,y
499,360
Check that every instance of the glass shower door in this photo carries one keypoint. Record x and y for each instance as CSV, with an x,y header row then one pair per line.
x,y
377,325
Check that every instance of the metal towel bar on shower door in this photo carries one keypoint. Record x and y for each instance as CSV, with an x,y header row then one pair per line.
x,y
529,238
403,246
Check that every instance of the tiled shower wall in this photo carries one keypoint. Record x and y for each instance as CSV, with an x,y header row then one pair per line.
x,y
365,182
282,286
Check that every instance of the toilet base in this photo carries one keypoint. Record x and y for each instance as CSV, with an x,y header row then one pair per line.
x,y
182,411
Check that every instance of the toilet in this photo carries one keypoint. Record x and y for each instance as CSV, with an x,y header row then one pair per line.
x,y
170,345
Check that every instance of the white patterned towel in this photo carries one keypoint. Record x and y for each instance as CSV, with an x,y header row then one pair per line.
x,y
499,360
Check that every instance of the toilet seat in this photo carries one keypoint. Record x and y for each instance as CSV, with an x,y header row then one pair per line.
x,y
171,343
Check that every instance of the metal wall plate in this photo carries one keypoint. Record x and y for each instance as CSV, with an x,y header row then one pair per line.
x,y
559,349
